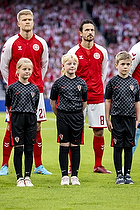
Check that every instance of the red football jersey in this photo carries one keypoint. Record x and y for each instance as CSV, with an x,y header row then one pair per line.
x,y
35,49
135,68
92,68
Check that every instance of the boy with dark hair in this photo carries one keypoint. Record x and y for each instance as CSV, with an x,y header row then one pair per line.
x,y
122,103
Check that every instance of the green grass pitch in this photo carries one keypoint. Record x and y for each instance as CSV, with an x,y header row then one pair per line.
x,y
97,191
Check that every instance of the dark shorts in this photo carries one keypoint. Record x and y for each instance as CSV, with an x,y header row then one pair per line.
x,y
70,128
123,133
23,127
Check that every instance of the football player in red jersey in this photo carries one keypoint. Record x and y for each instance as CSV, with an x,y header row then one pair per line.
x,y
29,45
135,73
93,65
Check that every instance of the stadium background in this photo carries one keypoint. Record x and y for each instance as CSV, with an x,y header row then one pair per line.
x,y
57,21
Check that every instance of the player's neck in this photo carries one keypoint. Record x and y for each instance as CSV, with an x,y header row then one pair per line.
x,y
26,35
71,76
86,44
24,81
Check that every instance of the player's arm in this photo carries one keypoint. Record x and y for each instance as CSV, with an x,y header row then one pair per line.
x,y
104,65
134,52
5,60
44,59
137,108
53,105
107,114
84,105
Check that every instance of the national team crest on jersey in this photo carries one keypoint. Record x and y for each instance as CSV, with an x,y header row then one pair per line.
x,y
17,139
36,47
96,55
79,87
61,136
32,94
132,87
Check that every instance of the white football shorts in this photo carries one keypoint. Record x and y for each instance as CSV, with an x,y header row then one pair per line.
x,y
96,115
41,112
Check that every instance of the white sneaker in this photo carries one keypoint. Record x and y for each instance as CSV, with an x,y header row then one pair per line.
x,y
28,182
20,182
75,180
65,180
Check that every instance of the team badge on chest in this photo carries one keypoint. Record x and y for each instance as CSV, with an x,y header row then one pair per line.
x,y
132,87
36,47
96,55
79,87
17,139
32,94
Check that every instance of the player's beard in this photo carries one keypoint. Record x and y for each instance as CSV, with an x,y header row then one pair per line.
x,y
88,39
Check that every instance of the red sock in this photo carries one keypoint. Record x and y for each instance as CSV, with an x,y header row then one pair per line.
x,y
38,150
98,146
6,148
70,157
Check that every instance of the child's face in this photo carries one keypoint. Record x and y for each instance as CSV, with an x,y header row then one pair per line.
x,y
123,67
70,67
25,71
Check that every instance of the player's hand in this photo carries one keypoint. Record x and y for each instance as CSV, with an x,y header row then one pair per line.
x,y
137,123
38,126
109,125
8,126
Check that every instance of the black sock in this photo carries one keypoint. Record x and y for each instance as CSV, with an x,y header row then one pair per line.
x,y
18,152
28,152
75,160
127,160
118,160
63,160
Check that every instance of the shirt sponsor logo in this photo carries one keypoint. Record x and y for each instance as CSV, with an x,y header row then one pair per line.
x,y
63,87
19,47
36,47
17,93
81,57
116,87
96,55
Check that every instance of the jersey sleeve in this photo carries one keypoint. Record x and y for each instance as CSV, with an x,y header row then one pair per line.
x,y
6,56
54,91
84,97
135,53
104,65
45,60
108,91
45,56
5,59
8,97
37,97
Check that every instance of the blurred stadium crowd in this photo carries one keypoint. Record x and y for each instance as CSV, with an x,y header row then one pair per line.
x,y
58,23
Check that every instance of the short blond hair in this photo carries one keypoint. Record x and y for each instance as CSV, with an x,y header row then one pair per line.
x,y
24,12
123,55
21,61
65,58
